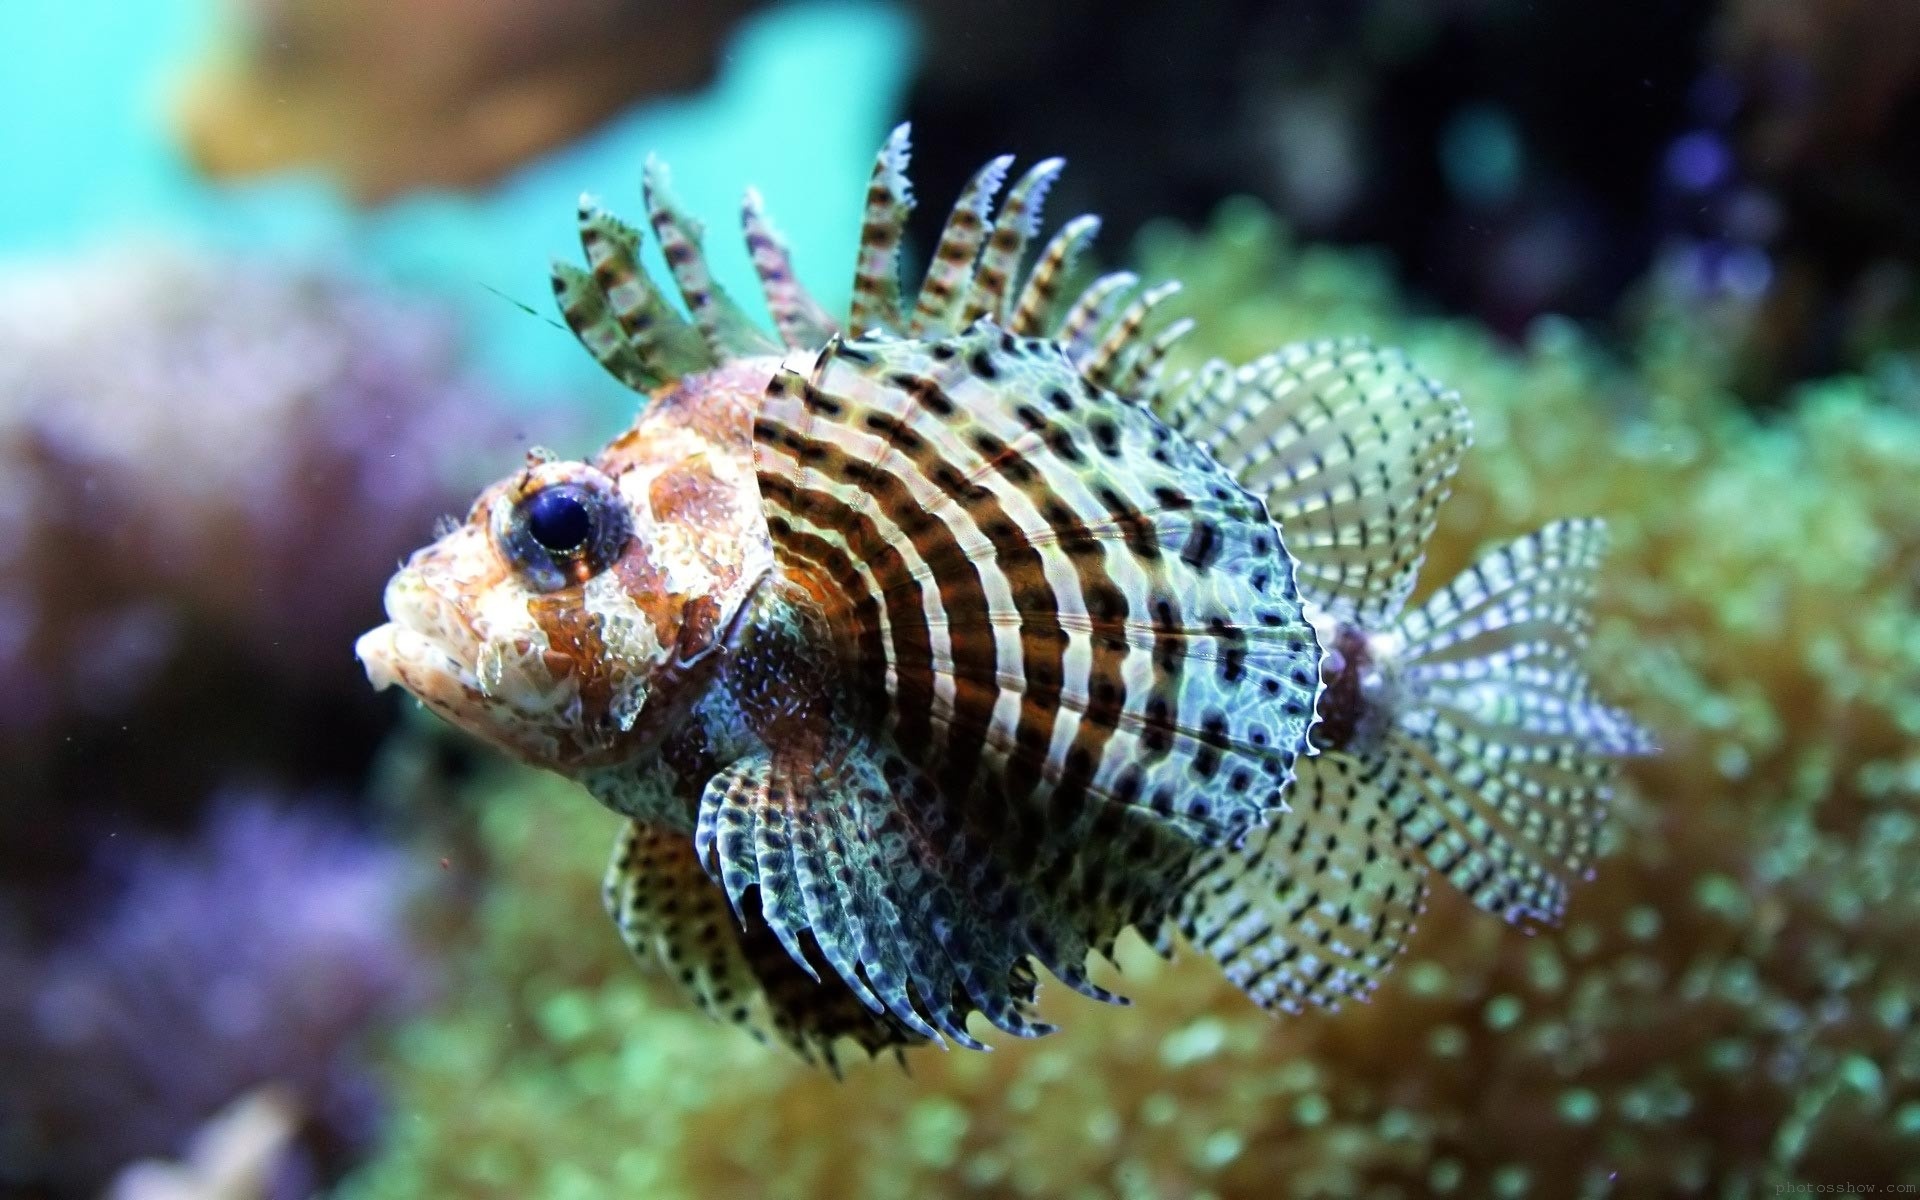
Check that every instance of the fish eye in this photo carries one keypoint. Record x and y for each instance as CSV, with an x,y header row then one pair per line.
x,y
562,524
558,518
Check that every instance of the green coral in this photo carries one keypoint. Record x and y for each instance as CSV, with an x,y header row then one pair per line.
x,y
1729,1006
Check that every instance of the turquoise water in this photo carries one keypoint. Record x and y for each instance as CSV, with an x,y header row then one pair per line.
x,y
803,95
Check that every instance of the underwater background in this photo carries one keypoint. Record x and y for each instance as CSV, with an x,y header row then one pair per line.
x,y
273,300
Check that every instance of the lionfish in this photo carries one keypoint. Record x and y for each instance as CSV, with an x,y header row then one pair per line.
x,y
927,649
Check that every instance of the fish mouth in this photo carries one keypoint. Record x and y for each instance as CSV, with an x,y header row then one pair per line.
x,y
393,654
413,649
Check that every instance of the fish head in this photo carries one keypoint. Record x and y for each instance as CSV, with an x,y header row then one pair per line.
x,y
571,619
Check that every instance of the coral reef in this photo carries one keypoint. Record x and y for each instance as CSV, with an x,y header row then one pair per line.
x,y
206,469
259,955
234,1156
1730,1004
257,443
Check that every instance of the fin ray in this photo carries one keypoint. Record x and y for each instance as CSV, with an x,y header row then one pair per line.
x,y
1314,907
1354,451
798,318
876,280
671,915
1502,760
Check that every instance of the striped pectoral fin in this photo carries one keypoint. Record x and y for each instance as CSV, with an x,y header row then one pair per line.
x,y
672,915
853,855
1503,758
1314,907
1062,612
1354,451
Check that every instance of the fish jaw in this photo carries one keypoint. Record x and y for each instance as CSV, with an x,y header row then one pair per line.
x,y
461,640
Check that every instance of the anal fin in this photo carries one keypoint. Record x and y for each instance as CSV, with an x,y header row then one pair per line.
x,y
1313,908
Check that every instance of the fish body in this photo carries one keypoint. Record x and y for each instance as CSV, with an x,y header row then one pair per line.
x,y
954,642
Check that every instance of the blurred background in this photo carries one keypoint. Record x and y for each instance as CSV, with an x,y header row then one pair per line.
x,y
273,299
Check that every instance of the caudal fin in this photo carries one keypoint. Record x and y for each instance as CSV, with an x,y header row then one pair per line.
x,y
1494,769
1499,763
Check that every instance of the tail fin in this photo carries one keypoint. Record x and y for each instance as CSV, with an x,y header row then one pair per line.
x,y
1495,770
1499,761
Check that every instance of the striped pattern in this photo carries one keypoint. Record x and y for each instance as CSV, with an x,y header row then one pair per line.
x,y
583,304
1354,451
726,328
799,319
876,276
1314,907
1499,764
951,271
1034,667
851,852
1119,347
993,284
1079,330
1076,638
1042,289
1494,769
673,917
614,310
976,273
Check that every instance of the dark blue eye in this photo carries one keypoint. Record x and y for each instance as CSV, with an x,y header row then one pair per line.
x,y
559,519
561,532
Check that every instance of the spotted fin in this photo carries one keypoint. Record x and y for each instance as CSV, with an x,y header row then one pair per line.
x,y
670,914
1067,622
1354,451
1313,908
1500,761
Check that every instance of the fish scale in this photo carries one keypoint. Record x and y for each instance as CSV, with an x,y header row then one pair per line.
x,y
996,643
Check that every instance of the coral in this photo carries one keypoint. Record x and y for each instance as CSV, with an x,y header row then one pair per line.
x,y
233,1157
207,466
258,956
396,97
1730,1004
185,438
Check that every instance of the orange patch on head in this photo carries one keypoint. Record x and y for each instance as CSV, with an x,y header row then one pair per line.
x,y
574,640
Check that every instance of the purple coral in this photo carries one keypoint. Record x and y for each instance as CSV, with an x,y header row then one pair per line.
x,y
191,446
262,954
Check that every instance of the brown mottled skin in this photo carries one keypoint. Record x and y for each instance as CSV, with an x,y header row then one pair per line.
x,y
608,669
